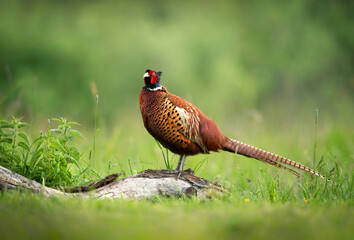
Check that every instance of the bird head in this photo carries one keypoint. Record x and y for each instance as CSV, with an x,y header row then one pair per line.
x,y
152,79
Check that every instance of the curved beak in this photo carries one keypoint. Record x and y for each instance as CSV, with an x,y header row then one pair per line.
x,y
146,75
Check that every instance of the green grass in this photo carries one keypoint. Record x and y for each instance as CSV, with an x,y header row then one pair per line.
x,y
25,216
263,203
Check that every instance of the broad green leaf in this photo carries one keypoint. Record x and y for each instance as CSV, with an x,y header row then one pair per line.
x,y
59,146
38,145
55,130
6,140
5,134
7,125
17,158
59,120
75,133
34,162
24,136
24,145
21,125
73,123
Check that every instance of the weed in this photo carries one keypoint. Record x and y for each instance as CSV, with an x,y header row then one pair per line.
x,y
167,160
315,141
96,131
200,164
48,158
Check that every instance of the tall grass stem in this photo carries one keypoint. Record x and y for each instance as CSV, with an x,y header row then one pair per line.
x,y
94,135
315,142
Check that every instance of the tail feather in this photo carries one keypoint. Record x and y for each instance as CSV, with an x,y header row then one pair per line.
x,y
232,145
276,164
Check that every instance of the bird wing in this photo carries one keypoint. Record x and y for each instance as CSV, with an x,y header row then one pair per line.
x,y
188,115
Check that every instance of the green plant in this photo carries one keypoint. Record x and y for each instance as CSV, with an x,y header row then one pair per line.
x,y
167,160
200,164
315,141
96,131
48,158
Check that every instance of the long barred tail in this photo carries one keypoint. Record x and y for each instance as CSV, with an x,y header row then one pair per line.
x,y
235,146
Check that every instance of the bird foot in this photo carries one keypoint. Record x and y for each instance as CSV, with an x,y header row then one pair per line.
x,y
186,172
179,174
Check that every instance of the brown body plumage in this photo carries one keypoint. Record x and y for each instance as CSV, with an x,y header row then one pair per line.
x,y
182,128
177,124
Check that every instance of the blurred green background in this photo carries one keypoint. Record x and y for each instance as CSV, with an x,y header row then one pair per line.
x,y
259,69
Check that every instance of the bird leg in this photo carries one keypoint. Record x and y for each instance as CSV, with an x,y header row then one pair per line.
x,y
181,162
180,165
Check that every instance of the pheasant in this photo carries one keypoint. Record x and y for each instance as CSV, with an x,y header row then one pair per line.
x,y
182,128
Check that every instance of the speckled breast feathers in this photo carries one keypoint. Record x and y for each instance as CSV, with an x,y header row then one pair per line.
x,y
172,121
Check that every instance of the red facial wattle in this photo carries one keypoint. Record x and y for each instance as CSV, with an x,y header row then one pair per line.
x,y
153,76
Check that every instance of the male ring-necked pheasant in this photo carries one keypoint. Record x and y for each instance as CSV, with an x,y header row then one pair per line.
x,y
182,128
